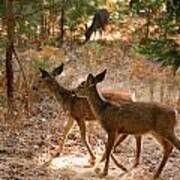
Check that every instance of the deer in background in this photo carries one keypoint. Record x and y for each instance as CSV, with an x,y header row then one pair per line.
x,y
78,110
99,22
132,2
130,118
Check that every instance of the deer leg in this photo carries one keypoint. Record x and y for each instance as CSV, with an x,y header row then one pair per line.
x,y
173,139
114,160
117,163
103,156
119,140
67,128
138,150
101,33
93,35
66,131
167,150
82,128
109,146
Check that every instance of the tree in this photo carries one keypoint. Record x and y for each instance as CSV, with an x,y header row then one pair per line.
x,y
161,47
10,25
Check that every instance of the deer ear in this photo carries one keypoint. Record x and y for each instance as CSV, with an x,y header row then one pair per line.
x,y
57,71
90,79
86,26
43,73
100,77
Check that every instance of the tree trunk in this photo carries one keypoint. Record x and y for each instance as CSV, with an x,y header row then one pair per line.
x,y
62,22
9,54
148,22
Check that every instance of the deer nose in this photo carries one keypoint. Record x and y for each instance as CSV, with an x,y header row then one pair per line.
x,y
75,91
34,88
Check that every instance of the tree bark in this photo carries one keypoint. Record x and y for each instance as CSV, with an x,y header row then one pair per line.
x,y
9,54
62,21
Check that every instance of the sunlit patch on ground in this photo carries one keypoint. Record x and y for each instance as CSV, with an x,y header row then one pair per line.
x,y
73,160
73,166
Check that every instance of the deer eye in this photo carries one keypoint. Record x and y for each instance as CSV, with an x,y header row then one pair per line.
x,y
40,81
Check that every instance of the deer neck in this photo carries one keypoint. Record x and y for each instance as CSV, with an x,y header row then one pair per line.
x,y
96,101
61,93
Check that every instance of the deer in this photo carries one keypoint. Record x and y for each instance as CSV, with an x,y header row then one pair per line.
x,y
135,118
100,21
132,2
78,109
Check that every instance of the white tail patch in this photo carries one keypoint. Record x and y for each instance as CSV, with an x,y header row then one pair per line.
x,y
133,97
176,111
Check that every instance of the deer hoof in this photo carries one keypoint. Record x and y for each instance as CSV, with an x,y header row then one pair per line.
x,y
92,162
97,170
135,164
102,174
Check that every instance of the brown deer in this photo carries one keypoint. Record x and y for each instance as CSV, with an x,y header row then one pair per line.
x,y
78,108
100,21
130,118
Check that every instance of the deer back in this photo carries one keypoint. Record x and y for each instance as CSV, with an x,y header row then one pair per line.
x,y
80,107
100,20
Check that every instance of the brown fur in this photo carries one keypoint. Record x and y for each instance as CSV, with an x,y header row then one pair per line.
x,y
100,21
78,108
131,118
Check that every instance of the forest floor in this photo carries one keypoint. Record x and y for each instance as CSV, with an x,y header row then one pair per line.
x,y
23,151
